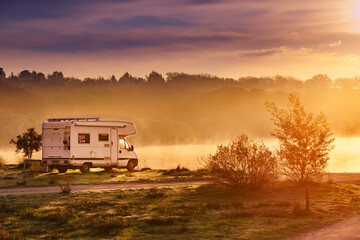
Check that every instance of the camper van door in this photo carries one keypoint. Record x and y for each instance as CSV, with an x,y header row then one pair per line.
x,y
114,145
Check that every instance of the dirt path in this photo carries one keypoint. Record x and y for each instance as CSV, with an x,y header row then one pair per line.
x,y
348,229
96,187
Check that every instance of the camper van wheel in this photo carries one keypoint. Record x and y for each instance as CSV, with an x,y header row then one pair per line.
x,y
85,168
131,165
62,169
108,168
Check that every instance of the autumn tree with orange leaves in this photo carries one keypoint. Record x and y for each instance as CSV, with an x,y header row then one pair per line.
x,y
305,140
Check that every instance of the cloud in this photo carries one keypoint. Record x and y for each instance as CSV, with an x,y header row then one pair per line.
x,y
80,42
261,53
335,44
203,2
142,21
23,10
253,28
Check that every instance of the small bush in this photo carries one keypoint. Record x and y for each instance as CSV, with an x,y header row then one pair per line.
x,y
176,170
2,162
66,188
181,169
242,163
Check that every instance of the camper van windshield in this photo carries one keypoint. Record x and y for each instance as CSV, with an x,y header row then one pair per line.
x,y
124,144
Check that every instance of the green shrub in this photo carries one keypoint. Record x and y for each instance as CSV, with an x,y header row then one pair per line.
x,y
242,163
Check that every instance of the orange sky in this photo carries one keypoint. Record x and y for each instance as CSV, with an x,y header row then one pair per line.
x,y
225,38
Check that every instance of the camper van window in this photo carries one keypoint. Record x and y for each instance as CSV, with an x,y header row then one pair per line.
x,y
84,138
122,143
103,137
127,146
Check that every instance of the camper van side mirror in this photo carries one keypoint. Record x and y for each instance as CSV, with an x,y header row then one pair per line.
x,y
132,148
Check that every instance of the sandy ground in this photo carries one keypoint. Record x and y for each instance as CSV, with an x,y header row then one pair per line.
x,y
348,229
97,187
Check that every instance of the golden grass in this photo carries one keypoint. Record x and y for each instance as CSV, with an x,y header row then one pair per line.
x,y
205,212
15,177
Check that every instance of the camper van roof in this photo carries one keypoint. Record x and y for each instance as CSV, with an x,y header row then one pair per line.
x,y
71,119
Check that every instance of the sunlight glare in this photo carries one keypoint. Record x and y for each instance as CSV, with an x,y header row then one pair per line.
x,y
356,14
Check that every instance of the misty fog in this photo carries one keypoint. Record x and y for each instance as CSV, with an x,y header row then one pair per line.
x,y
182,117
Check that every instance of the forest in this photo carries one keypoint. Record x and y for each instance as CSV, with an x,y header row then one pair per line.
x,y
178,108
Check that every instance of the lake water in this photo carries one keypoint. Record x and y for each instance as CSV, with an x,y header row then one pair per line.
x,y
344,158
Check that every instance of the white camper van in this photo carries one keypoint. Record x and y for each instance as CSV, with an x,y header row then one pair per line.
x,y
70,143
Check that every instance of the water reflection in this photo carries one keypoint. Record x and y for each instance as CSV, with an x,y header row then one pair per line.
x,y
344,158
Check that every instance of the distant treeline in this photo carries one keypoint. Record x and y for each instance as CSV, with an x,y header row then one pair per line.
x,y
281,83
177,109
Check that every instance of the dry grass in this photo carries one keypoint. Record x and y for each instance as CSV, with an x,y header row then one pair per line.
x,y
66,188
155,193
10,177
205,212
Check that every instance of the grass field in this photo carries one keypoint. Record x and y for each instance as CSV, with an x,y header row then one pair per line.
x,y
16,177
205,212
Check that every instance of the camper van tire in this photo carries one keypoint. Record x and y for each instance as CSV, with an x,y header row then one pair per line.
x,y
131,165
62,169
85,168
